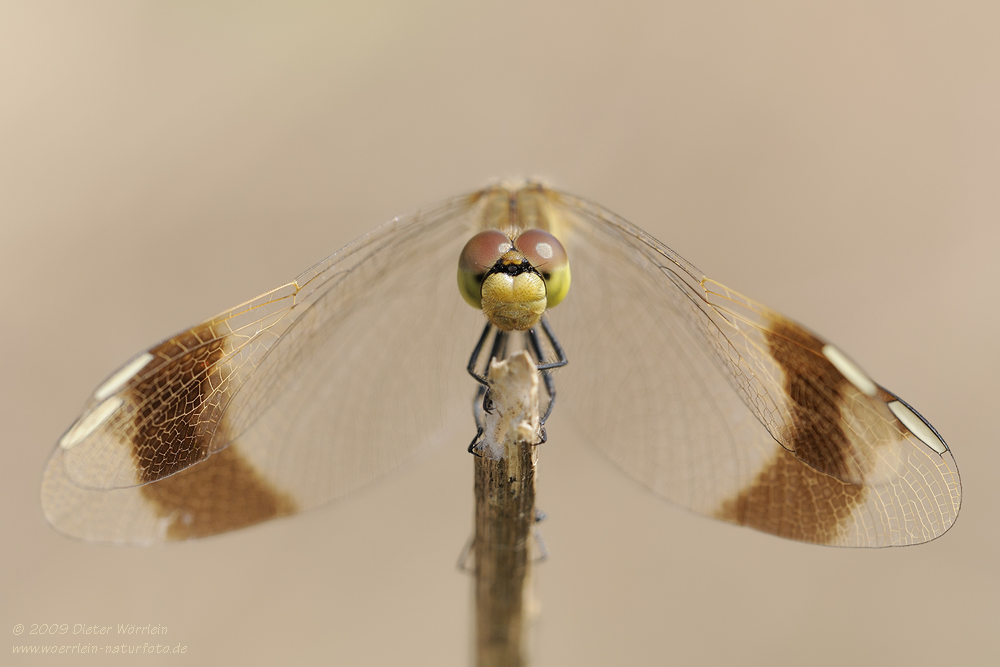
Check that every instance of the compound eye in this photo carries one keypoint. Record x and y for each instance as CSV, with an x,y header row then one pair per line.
x,y
483,250
548,256
478,256
543,250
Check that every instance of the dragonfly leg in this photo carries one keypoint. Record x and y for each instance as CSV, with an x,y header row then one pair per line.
x,y
483,403
476,352
544,367
543,550
467,555
476,441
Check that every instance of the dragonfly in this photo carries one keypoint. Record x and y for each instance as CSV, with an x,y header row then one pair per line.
x,y
312,390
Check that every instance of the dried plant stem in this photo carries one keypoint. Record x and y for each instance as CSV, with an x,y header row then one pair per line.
x,y
505,514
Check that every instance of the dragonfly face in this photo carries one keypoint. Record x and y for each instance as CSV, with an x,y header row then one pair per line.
x,y
707,398
516,274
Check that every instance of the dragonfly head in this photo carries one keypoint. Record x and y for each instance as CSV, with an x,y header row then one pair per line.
x,y
513,280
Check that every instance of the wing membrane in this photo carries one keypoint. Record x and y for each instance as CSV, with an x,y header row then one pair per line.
x,y
282,403
704,396
724,406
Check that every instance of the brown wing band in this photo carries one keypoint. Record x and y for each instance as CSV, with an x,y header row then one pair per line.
x,y
790,497
195,491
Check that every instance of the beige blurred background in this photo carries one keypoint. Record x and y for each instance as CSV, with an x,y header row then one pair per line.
x,y
161,161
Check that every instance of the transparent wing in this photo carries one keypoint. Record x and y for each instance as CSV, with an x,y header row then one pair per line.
x,y
316,388
282,403
725,407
